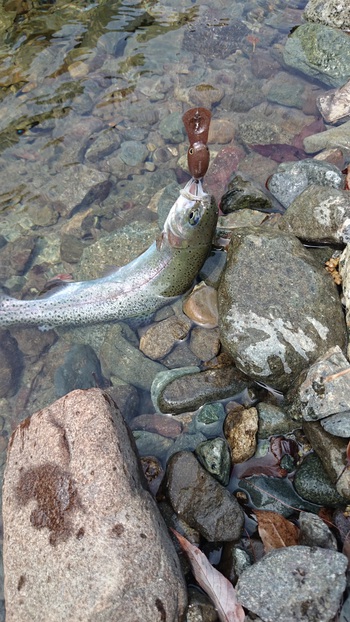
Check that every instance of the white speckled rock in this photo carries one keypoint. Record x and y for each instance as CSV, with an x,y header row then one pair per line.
x,y
294,583
83,540
279,310
319,214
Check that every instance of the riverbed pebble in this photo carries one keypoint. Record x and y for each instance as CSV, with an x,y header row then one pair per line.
x,y
201,501
240,429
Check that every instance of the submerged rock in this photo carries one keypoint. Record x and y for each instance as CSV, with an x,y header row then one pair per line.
x,y
83,524
320,52
312,482
295,582
81,370
188,388
334,137
279,310
214,455
201,501
11,364
214,38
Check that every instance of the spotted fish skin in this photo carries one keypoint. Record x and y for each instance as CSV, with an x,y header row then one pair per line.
x,y
166,270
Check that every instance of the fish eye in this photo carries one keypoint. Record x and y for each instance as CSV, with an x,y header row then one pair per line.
x,y
194,217
190,151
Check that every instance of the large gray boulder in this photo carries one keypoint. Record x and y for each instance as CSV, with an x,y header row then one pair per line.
x,y
279,310
83,539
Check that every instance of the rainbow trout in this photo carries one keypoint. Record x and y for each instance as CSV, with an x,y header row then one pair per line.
x,y
166,270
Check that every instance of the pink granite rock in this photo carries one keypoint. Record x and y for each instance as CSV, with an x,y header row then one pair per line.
x,y
83,540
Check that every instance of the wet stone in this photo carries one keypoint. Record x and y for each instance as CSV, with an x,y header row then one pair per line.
x,y
81,370
312,483
85,525
171,128
186,442
214,455
16,256
212,38
71,248
11,364
152,444
205,343
273,322
180,356
334,137
243,194
209,419
126,398
159,339
273,420
212,268
161,424
275,494
102,145
201,306
315,532
125,361
286,90
181,390
319,214
319,52
206,95
313,591
133,152
292,178
240,429
234,560
201,501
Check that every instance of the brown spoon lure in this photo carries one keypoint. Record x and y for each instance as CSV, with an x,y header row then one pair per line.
x,y
196,122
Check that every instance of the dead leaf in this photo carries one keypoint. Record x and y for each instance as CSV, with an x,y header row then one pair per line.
x,y
275,531
218,588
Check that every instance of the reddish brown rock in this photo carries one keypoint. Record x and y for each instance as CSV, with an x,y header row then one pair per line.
x,y
83,540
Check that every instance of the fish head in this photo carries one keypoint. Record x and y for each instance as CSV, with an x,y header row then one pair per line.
x,y
198,159
191,221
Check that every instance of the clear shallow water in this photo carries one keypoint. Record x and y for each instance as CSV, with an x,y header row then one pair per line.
x,y
73,76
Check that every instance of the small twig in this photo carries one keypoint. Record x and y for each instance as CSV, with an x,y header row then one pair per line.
x,y
332,377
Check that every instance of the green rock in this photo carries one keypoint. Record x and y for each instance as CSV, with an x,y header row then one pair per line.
x,y
312,483
275,494
214,455
320,52
273,420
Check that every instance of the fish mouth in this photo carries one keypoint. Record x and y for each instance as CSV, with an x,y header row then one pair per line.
x,y
193,190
